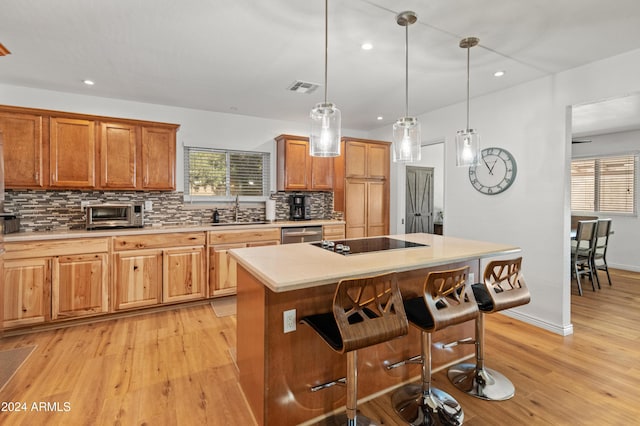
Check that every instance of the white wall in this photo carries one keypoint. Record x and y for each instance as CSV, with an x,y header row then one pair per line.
x,y
532,121
623,251
197,127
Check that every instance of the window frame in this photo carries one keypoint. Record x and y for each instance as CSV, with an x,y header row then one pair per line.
x,y
228,197
636,178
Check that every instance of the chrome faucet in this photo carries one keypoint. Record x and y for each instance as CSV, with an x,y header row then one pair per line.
x,y
236,207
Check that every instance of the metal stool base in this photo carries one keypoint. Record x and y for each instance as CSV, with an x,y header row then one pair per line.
x,y
342,420
485,384
440,408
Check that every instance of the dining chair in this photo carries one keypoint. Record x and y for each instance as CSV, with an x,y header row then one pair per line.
x,y
599,253
582,252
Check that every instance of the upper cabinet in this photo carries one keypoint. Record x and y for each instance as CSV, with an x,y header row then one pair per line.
x,y
59,150
297,170
72,153
366,159
23,150
158,158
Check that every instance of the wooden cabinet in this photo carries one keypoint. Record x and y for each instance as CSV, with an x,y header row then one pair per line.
x,y
26,295
159,268
54,280
137,278
118,155
80,285
297,170
366,187
60,150
366,160
183,274
367,207
72,153
333,232
158,158
23,150
222,267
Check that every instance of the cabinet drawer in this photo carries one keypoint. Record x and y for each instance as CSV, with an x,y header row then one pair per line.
x,y
50,248
333,232
136,242
243,236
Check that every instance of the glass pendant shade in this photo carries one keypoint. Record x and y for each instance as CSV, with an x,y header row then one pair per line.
x,y
467,148
324,140
406,140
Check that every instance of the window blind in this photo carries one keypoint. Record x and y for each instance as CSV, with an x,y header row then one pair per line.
x,y
212,174
606,184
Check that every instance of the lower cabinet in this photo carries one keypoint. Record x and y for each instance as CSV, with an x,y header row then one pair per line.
x,y
153,269
80,285
222,267
333,232
26,298
137,276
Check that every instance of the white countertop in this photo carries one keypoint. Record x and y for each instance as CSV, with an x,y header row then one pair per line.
x,y
83,233
289,267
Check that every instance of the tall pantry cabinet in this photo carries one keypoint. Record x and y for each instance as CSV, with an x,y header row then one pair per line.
x,y
364,197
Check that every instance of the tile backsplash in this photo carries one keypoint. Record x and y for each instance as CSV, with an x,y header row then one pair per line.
x,y
41,210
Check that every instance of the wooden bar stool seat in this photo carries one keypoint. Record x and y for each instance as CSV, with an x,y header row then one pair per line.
x,y
446,301
366,311
503,288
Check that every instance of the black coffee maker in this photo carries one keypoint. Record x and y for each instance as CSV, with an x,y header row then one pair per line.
x,y
299,207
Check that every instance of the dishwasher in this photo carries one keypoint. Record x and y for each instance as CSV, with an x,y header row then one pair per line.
x,y
301,234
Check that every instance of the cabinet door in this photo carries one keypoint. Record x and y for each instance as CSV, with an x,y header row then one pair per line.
x,y
80,285
158,158
296,165
26,298
355,159
224,277
22,150
378,161
183,274
118,155
355,208
376,210
137,276
72,153
321,173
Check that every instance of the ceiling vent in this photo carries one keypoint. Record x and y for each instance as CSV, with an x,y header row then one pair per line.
x,y
303,87
3,50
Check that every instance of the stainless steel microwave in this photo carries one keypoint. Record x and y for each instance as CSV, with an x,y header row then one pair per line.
x,y
125,215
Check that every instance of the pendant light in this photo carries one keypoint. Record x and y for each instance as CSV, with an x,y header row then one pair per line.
x,y
406,131
325,117
468,140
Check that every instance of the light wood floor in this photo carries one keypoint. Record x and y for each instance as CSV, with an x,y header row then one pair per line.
x,y
175,368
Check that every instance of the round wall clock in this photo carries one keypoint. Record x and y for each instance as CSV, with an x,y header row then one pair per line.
x,y
496,172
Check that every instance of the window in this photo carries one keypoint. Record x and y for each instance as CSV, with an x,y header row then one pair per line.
x,y
606,184
214,174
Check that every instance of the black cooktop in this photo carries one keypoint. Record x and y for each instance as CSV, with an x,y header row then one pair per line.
x,y
366,245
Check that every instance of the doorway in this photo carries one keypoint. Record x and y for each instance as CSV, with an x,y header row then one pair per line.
x,y
419,200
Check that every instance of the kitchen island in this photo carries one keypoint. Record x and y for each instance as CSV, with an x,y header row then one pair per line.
x,y
277,369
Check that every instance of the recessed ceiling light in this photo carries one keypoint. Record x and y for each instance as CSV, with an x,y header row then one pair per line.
x,y
88,82
367,46
379,118
498,73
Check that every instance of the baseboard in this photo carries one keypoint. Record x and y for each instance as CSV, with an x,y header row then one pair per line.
x,y
624,267
554,328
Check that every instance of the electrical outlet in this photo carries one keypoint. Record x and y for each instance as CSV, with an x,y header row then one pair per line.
x,y
148,205
289,320
472,278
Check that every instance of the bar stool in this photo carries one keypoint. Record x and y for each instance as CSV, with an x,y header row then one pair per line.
x,y
366,311
445,301
503,288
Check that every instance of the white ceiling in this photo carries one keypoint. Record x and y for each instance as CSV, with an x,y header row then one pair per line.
x,y
239,56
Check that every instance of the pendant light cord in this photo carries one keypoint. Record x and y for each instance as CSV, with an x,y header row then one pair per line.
x,y
468,53
406,70
326,45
